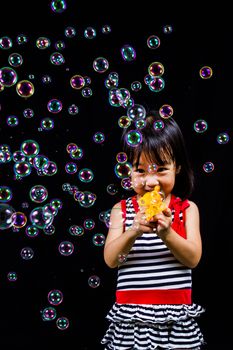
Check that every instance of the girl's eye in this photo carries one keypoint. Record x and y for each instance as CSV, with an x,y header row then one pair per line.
x,y
140,171
161,169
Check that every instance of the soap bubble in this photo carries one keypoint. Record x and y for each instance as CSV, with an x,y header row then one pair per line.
x,y
6,212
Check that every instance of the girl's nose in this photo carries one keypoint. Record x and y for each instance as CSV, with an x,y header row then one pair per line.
x,y
152,180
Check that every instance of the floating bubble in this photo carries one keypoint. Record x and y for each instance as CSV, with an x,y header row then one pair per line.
x,y
40,217
76,153
157,84
58,6
71,147
56,203
54,106
21,39
208,167
70,32
167,29
73,109
48,313
136,86
47,124
98,239
86,92
27,253
123,170
12,276
126,184
6,212
133,138
89,224
12,121
57,58
6,43
223,138
5,194
22,169
77,82
153,42
166,111
158,125
112,189
55,297
87,199
50,168
60,45
66,248
39,161
106,29
94,281
28,113
99,137
32,231
206,72
76,230
90,33
122,258
100,65
140,123
46,79
121,157
128,53
49,230
111,83
136,112
43,43
25,88
19,219
5,156
200,126
30,148
156,69
86,175
8,76
152,168
38,193
71,168
62,323
15,59
114,98
124,122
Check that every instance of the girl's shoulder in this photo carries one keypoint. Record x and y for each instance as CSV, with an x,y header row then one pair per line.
x,y
192,205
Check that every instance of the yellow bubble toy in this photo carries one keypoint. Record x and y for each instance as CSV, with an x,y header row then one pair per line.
x,y
152,202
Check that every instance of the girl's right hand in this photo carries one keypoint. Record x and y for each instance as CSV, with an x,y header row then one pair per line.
x,y
140,224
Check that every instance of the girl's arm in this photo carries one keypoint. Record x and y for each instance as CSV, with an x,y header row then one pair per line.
x,y
188,251
118,242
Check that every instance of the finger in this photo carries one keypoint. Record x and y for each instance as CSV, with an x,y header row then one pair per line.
x,y
167,212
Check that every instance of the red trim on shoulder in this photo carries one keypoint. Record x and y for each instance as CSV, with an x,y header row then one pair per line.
x,y
179,206
135,204
123,209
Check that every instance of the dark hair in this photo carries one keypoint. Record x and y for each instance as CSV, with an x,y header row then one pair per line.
x,y
160,145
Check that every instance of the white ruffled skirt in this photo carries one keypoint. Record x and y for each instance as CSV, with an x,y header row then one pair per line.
x,y
150,327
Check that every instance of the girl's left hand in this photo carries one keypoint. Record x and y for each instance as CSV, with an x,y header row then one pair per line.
x,y
164,221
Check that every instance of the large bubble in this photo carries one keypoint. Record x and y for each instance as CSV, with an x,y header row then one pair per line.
x,y
6,212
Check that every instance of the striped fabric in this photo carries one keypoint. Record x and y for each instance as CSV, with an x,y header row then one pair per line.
x,y
149,272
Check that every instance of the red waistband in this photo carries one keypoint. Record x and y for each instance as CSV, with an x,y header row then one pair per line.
x,y
158,296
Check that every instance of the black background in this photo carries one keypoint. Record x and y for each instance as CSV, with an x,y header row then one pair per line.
x,y
200,36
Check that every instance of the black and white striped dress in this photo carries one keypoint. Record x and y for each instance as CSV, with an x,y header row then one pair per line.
x,y
153,308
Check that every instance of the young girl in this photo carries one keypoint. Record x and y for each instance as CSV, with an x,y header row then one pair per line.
x,y
154,308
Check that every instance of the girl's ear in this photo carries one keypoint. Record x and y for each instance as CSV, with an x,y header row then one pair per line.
x,y
178,169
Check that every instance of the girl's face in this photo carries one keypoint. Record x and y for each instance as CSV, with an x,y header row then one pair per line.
x,y
146,175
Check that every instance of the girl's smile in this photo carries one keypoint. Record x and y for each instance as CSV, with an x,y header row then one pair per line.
x,y
145,176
